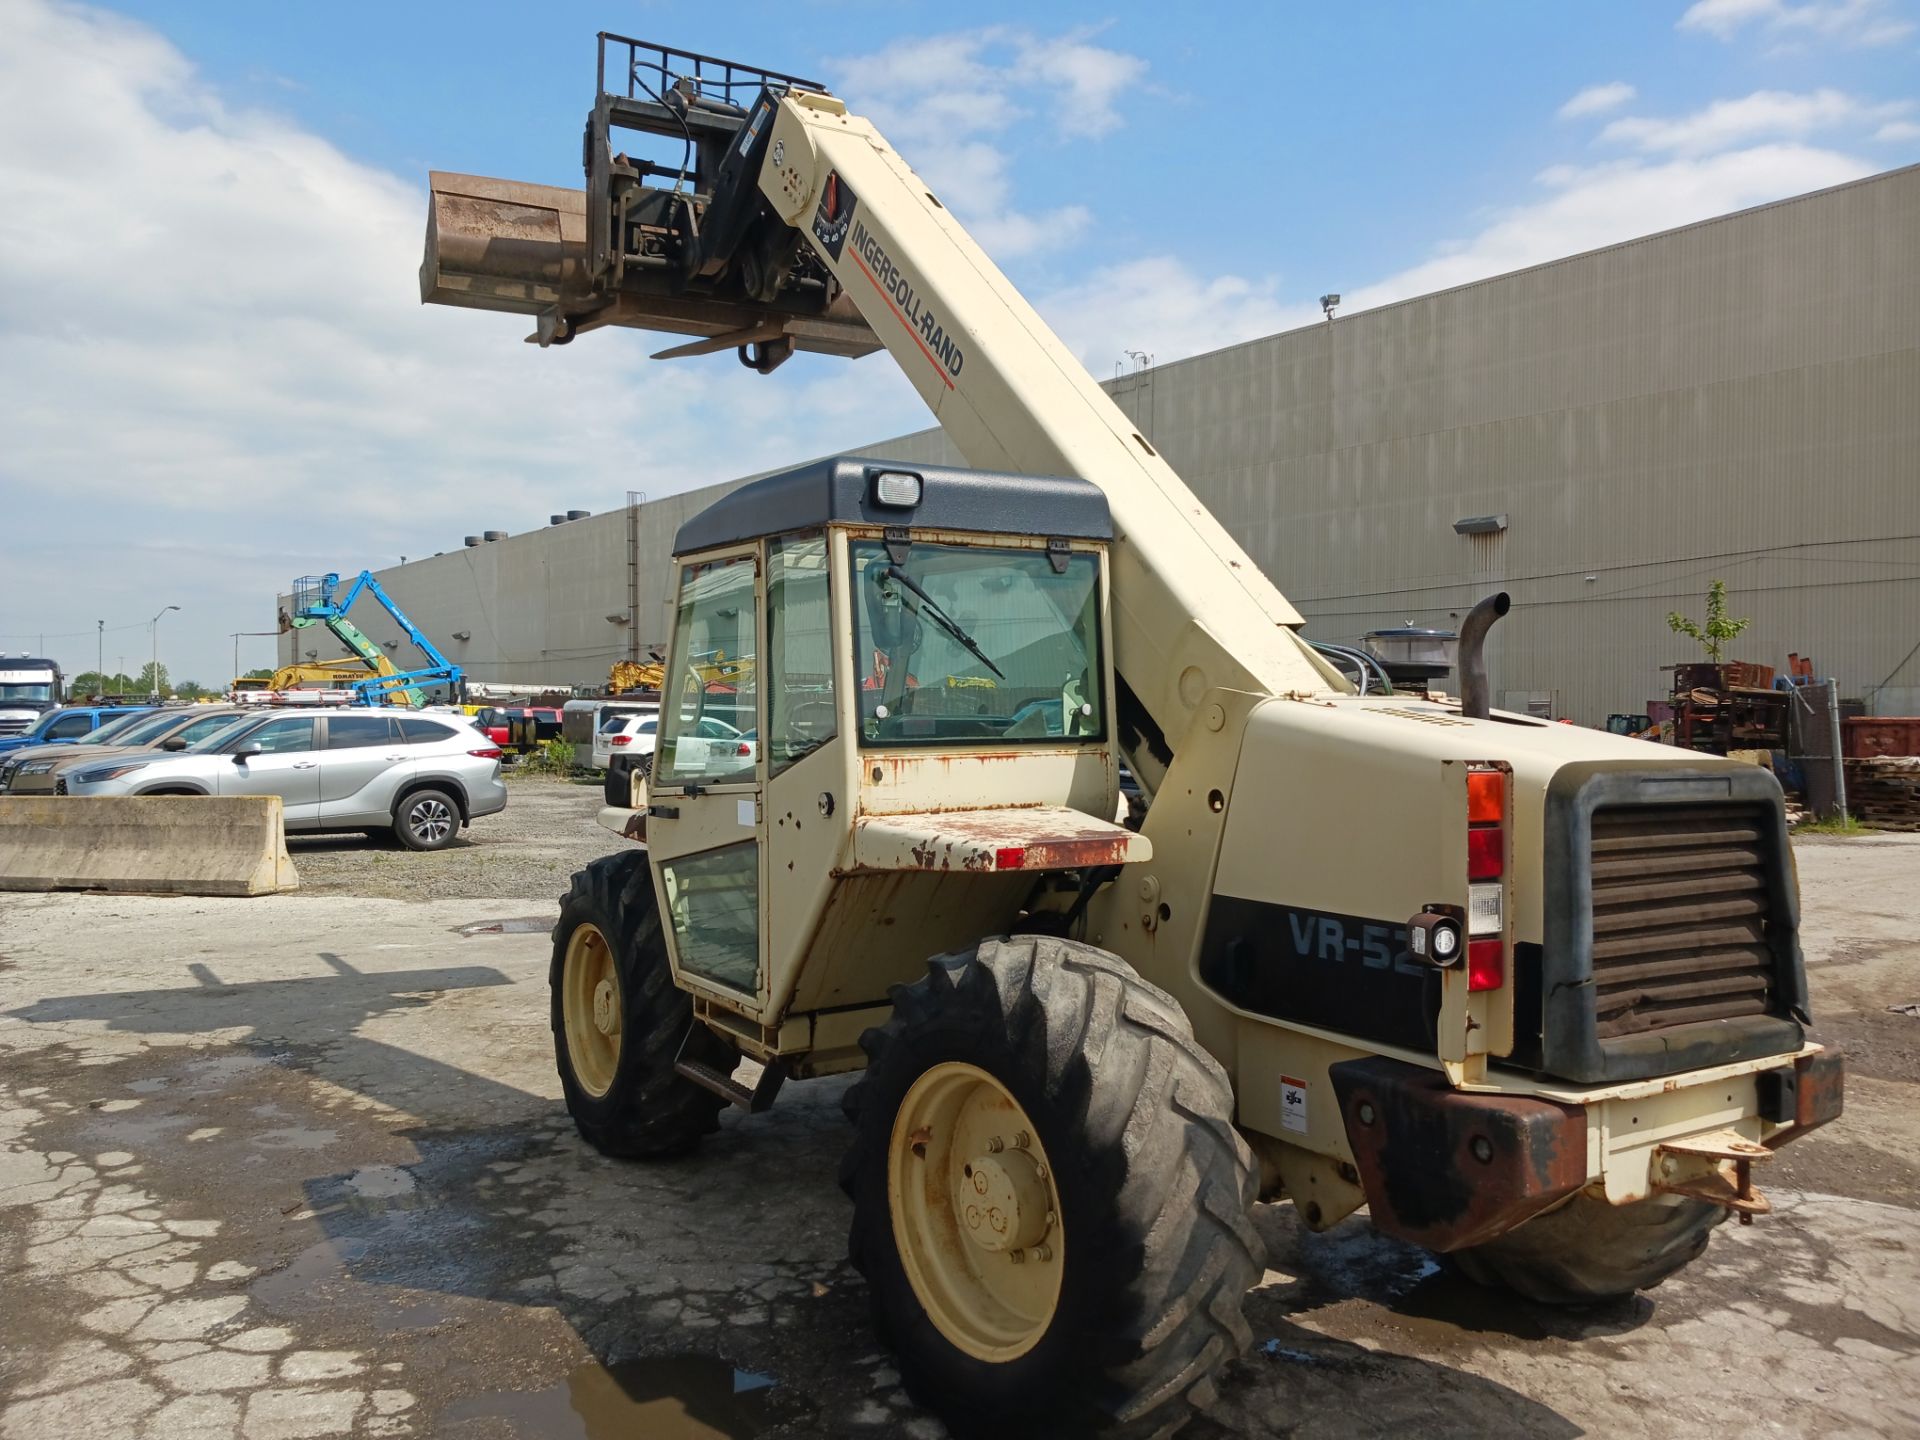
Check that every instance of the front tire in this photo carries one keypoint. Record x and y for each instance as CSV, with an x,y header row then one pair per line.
x,y
619,1020
1132,1188
1588,1251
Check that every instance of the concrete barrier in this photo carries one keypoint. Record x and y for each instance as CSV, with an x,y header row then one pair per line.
x,y
145,844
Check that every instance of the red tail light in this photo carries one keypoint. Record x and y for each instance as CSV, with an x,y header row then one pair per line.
x,y
1486,861
1486,964
620,740
745,749
492,752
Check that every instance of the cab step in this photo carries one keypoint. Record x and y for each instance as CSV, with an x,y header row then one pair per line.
x,y
753,1099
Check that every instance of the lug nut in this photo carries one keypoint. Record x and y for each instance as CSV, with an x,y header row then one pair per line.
x,y
1043,1252
1019,1257
1022,1140
996,1145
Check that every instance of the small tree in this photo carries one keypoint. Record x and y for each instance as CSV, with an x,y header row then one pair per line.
x,y
188,690
152,680
1719,628
258,675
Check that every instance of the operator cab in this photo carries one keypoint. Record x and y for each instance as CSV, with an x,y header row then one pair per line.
x,y
878,667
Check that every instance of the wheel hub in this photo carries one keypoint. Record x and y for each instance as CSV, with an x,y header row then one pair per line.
x,y
606,1008
1002,1201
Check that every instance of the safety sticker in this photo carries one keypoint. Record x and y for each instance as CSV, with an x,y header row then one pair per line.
x,y
1293,1104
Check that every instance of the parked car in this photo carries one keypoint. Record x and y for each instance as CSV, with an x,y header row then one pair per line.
x,y
423,777
108,734
71,722
37,772
622,745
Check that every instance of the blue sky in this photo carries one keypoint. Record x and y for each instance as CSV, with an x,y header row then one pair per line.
x,y
219,363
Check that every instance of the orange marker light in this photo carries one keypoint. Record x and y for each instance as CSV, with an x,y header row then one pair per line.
x,y
1486,797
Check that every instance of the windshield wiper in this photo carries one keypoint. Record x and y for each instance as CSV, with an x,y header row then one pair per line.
x,y
945,621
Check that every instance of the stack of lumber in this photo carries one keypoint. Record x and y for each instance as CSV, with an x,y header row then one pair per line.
x,y
1884,792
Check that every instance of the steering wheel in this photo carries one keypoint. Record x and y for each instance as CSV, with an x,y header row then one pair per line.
x,y
811,719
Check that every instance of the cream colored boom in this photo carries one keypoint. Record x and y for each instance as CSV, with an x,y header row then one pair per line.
x,y
1190,609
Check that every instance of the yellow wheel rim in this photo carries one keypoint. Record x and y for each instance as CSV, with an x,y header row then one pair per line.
x,y
976,1212
590,1006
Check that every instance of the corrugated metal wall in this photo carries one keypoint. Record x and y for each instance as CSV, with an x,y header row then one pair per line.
x,y
1739,399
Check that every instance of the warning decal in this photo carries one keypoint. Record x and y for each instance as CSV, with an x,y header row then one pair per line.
x,y
1293,1104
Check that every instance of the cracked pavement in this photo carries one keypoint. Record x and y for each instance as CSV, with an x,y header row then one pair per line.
x,y
298,1167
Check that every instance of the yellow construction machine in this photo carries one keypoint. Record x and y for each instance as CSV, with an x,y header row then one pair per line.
x,y
1532,994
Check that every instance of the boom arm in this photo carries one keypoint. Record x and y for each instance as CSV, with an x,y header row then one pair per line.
x,y
1190,609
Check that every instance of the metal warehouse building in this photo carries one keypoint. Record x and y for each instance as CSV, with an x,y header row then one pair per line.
x,y
1738,399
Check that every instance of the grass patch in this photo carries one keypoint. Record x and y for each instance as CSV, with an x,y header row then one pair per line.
x,y
1833,825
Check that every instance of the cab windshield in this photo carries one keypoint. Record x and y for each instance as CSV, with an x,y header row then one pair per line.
x,y
963,643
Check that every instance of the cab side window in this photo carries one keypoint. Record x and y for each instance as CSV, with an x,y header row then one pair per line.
x,y
711,695
281,737
348,732
70,727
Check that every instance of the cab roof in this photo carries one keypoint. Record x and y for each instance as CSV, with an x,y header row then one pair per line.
x,y
841,491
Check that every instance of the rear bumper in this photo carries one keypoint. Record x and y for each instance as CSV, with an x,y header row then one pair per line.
x,y
1447,1168
487,798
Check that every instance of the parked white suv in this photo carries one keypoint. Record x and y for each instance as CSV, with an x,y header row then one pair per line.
x,y
623,743
422,776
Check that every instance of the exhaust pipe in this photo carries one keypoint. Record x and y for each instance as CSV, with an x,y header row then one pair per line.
x,y
1475,698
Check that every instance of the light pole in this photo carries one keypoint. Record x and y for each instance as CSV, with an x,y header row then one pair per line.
x,y
154,674
100,657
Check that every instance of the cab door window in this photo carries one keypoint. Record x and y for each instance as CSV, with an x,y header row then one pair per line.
x,y
710,699
800,710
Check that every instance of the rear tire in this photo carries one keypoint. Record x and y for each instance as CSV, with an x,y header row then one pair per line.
x,y
1152,1186
427,820
1588,1251
640,1108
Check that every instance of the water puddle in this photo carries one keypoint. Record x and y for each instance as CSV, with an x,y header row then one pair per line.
x,y
518,925
295,1287
675,1397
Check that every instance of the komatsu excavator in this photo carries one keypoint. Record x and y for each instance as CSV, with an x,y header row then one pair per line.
x,y
1531,994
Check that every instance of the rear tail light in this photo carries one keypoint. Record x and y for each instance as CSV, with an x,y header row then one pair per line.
x,y
492,752
745,748
1486,964
1486,888
619,740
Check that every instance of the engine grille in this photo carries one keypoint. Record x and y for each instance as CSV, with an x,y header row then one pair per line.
x,y
59,784
1680,915
15,727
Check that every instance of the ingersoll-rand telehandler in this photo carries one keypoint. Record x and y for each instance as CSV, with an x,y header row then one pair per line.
x,y
1531,994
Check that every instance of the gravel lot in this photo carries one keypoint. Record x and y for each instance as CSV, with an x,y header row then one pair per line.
x,y
297,1166
529,849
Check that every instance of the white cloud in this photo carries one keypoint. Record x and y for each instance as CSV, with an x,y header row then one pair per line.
x,y
949,101
1602,205
1598,99
1896,131
1161,305
1846,22
215,372
1763,114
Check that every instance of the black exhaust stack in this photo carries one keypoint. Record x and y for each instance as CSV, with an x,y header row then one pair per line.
x,y
1475,698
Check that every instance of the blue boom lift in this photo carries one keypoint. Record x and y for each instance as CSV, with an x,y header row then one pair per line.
x,y
314,603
